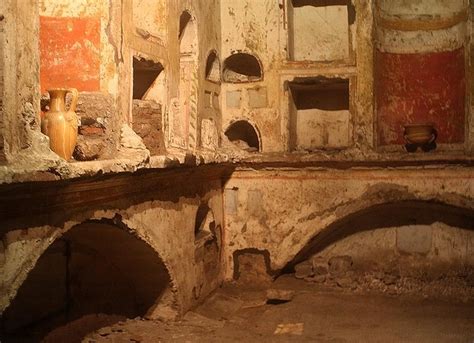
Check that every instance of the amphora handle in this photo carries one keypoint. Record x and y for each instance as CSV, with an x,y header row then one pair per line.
x,y
75,96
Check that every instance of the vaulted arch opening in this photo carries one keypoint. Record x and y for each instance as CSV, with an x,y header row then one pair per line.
x,y
207,245
183,128
408,236
213,67
94,275
242,67
244,136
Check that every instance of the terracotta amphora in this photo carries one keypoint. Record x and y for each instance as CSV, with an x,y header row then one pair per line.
x,y
61,125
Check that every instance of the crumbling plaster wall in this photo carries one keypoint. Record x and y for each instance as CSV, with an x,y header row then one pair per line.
x,y
414,39
208,22
258,216
253,27
262,28
80,45
162,21
166,222
470,109
438,248
21,80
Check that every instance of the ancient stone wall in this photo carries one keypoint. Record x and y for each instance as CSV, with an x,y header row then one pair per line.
x,y
280,212
163,214
248,69
147,123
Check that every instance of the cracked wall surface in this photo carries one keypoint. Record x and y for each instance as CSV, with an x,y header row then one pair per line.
x,y
164,219
258,215
150,164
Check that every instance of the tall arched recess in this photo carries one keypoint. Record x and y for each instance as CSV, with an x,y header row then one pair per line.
x,y
95,268
183,128
388,215
242,67
213,68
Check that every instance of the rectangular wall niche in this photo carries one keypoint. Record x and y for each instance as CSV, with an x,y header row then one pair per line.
x,y
149,98
318,30
148,80
319,114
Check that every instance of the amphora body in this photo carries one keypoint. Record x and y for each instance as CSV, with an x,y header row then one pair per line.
x,y
61,125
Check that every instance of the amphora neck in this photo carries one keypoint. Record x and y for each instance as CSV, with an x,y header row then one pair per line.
x,y
57,101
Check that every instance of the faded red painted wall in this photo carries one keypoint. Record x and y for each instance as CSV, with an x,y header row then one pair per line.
x,y
421,88
70,53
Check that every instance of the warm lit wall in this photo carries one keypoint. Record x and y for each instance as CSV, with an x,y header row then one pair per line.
x,y
252,27
421,68
77,46
281,211
161,214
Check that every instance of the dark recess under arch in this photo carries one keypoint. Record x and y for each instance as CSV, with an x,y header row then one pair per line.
x,y
242,132
90,270
384,216
242,67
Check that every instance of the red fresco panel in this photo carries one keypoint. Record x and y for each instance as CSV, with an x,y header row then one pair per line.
x,y
421,88
70,53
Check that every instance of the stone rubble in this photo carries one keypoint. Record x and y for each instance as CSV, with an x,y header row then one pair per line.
x,y
342,275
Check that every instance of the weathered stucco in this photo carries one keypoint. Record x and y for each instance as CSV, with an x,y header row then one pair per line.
x,y
281,211
428,38
315,126
166,222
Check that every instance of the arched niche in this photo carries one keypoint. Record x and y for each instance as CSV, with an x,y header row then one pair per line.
x,y
188,42
207,239
242,67
183,123
205,224
244,136
213,67
98,271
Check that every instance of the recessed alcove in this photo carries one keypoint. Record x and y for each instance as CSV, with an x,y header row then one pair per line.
x,y
187,34
95,268
410,238
318,30
205,224
242,67
145,76
319,113
243,135
213,68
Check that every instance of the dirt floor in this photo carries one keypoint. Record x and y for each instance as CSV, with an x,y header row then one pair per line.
x,y
297,311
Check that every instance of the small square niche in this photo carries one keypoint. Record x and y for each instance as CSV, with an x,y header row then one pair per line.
x,y
318,30
319,114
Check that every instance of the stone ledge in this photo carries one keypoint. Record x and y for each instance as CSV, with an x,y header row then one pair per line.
x,y
134,156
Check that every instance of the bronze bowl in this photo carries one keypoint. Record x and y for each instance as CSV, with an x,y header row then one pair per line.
x,y
420,135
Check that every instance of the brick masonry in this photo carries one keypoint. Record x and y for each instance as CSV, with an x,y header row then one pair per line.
x,y
147,124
